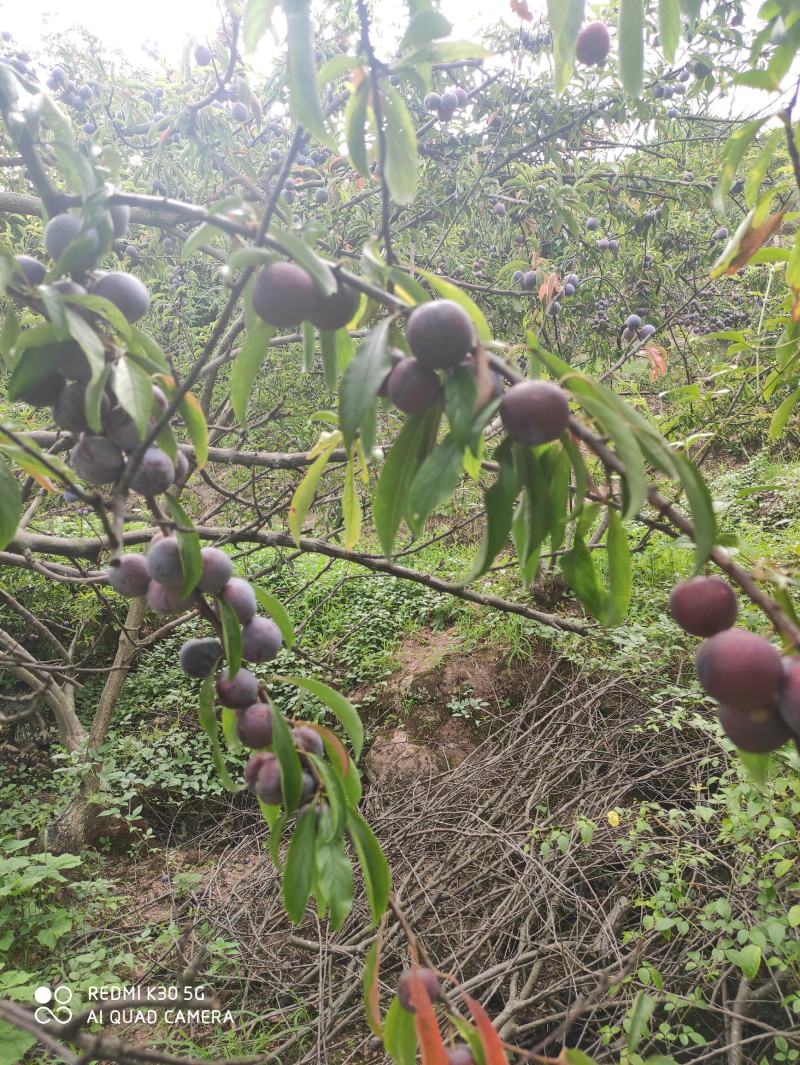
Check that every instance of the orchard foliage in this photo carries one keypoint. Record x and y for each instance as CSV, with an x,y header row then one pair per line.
x,y
501,370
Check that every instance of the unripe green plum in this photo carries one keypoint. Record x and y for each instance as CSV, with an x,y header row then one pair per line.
x,y
164,561
283,295
739,669
254,725
535,412
129,576
428,979
97,460
440,333
238,691
704,606
217,570
261,640
199,657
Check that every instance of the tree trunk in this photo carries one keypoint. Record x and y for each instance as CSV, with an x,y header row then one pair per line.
x,y
79,825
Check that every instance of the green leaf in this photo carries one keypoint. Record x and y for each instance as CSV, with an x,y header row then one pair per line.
x,y
355,124
669,27
453,292
619,571
319,271
749,960
257,20
188,546
757,766
362,379
285,751
426,25
400,1034
498,503
636,1025
134,391
781,415
402,163
351,506
375,868
93,401
277,611
304,494
794,915
208,723
246,365
299,869
15,1043
394,482
337,67
576,1057
566,17
434,481
10,504
370,984
631,45
701,507
144,344
335,875
309,346
341,708
333,825
330,361
460,396
582,577
304,105
201,235
89,341
231,636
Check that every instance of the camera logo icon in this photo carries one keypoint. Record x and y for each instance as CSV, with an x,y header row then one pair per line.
x,y
61,997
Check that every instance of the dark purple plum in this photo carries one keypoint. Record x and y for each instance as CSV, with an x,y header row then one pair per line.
x,y
238,691
412,387
120,219
535,412
757,731
155,474
283,295
267,785
126,292
592,44
62,230
164,561
739,669
239,595
254,725
703,606
333,312
30,270
199,657
167,599
440,333
308,740
97,460
129,576
428,979
217,570
261,640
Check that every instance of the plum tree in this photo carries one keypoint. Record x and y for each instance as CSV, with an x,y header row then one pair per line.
x,y
333,312
283,294
758,730
703,606
238,691
535,412
125,291
254,725
428,979
739,669
217,570
239,595
593,44
412,387
440,333
261,640
199,657
164,561
155,474
97,460
308,739
129,576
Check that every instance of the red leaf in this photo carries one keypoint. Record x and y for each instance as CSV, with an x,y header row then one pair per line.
x,y
493,1053
521,9
431,1046
657,357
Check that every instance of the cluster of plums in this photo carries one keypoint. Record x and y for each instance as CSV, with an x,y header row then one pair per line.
x,y
634,328
569,286
97,458
757,690
445,105
458,1053
284,295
